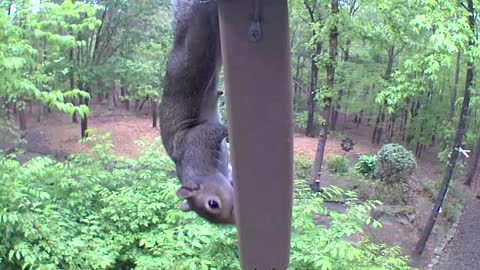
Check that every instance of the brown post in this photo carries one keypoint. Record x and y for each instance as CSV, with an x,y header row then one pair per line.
x,y
260,114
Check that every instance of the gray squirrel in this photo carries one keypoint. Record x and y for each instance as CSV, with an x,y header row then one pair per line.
x,y
191,126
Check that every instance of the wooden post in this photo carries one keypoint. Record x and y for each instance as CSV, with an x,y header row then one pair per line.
x,y
260,117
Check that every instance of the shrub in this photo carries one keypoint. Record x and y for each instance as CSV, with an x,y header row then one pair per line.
x,y
366,165
394,163
391,193
337,164
360,185
107,212
303,164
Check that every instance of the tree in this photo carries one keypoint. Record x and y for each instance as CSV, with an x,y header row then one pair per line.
x,y
471,51
34,37
330,68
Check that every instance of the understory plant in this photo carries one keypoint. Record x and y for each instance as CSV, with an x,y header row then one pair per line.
x,y
394,163
100,211
366,165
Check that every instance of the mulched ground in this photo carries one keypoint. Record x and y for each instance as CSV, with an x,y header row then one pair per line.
x,y
463,253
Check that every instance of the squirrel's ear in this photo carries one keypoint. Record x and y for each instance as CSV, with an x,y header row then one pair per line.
x,y
187,190
185,207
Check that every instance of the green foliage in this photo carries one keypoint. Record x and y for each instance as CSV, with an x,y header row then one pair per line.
x,y
394,163
98,211
302,166
363,187
391,192
302,117
454,200
32,47
366,165
337,164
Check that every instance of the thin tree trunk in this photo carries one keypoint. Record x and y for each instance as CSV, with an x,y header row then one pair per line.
x,y
392,128
297,72
404,125
460,132
359,121
377,126
22,119
74,115
311,103
380,128
124,92
333,124
322,142
154,114
72,86
39,112
143,103
136,104
84,118
455,87
472,172
322,139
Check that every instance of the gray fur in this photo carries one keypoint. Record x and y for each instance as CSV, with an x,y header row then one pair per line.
x,y
191,127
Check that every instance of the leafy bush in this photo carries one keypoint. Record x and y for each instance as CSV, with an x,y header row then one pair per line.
x,y
98,211
394,163
364,188
337,164
366,165
391,193
302,166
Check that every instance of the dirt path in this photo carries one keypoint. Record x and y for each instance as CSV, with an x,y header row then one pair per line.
x,y
463,253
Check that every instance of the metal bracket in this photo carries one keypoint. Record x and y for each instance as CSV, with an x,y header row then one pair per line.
x,y
255,29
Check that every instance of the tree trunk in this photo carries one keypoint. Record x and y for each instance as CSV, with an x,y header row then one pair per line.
x,y
84,118
460,132
143,103
322,142
74,115
391,57
84,127
377,126
112,102
455,87
333,124
403,128
154,114
472,172
22,119
297,72
124,92
392,128
310,130
72,86
359,119
39,112
380,128
136,104
322,139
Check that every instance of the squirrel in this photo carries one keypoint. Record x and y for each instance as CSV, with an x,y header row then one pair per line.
x,y
191,127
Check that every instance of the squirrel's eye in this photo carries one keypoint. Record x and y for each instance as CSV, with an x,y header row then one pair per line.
x,y
213,204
